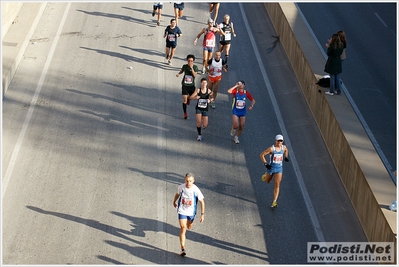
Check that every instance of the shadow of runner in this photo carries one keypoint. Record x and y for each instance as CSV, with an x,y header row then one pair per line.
x,y
143,250
91,223
116,16
108,259
146,251
151,63
154,254
164,14
219,188
142,225
153,53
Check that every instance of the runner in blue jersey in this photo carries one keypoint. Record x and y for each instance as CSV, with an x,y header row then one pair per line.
x,y
277,153
239,108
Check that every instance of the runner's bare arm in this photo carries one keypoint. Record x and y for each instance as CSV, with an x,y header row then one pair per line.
x,y
264,153
199,35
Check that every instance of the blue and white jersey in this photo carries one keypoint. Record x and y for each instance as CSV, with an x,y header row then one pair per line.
x,y
276,159
187,204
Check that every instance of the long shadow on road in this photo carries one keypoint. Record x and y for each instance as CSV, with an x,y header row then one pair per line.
x,y
219,188
147,251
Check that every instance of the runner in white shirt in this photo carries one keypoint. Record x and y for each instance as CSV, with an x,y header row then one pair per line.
x,y
188,195
215,66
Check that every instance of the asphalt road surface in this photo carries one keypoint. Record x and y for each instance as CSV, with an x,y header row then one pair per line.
x,y
93,151
370,69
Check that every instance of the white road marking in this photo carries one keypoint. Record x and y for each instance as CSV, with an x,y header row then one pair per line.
x,y
14,155
308,202
383,23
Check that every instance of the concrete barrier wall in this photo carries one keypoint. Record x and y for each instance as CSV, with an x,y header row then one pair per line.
x,y
27,15
374,222
9,11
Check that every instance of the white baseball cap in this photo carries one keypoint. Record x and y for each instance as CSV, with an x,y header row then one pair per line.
x,y
279,137
210,20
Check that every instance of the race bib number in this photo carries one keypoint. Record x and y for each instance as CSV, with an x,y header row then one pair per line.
x,y
278,158
227,36
240,104
210,42
171,37
215,71
186,202
202,103
188,79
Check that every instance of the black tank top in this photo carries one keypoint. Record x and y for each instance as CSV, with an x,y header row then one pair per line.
x,y
202,103
227,29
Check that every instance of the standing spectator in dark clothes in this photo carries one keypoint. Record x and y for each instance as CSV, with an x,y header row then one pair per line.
x,y
334,63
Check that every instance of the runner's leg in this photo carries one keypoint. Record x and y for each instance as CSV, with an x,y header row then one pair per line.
x,y
277,180
241,125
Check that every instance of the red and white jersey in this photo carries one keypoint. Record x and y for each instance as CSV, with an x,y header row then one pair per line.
x,y
215,68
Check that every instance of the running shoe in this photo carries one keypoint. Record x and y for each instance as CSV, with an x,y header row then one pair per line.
x,y
169,62
274,204
203,70
213,104
233,132
264,177
185,116
153,13
183,252
158,23
199,138
236,140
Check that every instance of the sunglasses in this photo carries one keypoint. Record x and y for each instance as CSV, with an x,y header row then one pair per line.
x,y
279,140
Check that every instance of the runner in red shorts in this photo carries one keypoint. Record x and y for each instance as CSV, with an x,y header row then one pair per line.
x,y
215,67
